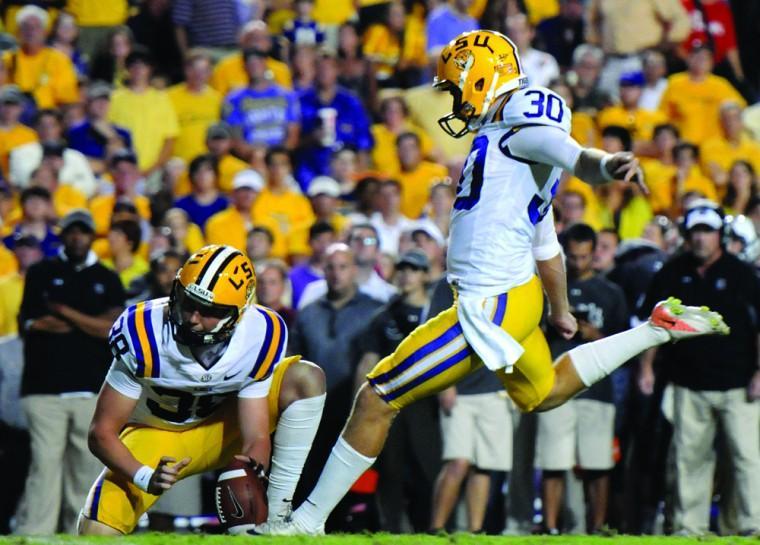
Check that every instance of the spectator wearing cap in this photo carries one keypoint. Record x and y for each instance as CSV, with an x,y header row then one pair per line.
x,y
12,133
729,145
332,117
72,168
205,200
124,239
410,460
541,66
125,174
155,129
692,99
281,201
321,236
262,114
230,73
716,379
428,239
416,176
27,251
625,29
324,194
231,226
364,242
272,288
97,137
629,114
212,25
394,115
68,307
37,210
196,104
389,220
42,72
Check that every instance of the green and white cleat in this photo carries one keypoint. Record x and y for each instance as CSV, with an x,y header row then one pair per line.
x,y
683,322
285,528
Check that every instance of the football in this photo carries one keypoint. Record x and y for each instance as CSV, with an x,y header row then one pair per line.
x,y
241,498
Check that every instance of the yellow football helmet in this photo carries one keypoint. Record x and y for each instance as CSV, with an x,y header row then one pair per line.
x,y
216,281
476,67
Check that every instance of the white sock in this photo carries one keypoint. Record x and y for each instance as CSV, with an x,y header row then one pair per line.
x,y
594,361
343,468
295,433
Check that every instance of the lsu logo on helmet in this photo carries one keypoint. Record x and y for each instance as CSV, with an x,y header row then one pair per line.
x,y
216,281
476,67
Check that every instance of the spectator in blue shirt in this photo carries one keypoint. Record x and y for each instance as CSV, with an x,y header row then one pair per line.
x,y
95,137
205,200
262,114
332,117
303,29
446,22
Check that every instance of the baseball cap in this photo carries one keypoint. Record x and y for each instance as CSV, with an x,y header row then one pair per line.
x,y
248,179
632,79
430,230
78,216
219,131
11,94
414,258
324,185
98,89
704,213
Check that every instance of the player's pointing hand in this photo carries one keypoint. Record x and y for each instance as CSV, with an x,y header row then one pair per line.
x,y
625,166
165,475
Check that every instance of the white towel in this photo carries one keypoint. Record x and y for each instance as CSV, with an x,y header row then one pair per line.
x,y
495,346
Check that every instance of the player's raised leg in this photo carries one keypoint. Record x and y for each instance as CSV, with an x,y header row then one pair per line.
x,y
300,403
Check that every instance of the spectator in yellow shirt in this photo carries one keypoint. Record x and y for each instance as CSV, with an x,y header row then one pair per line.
x,y
146,112
125,174
729,145
396,48
692,99
394,116
742,188
279,202
639,122
65,197
124,241
230,72
196,104
26,252
416,176
12,133
689,177
41,71
231,226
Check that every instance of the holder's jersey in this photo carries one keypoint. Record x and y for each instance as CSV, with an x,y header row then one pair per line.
x,y
501,221
173,390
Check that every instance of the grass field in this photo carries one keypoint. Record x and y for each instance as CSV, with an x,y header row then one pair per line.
x,y
379,539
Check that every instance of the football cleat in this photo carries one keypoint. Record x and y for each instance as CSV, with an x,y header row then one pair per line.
x,y
290,527
682,322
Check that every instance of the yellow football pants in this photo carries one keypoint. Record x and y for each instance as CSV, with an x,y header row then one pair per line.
x,y
436,355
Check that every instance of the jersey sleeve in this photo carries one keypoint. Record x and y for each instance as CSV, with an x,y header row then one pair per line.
x,y
122,379
256,388
543,144
545,242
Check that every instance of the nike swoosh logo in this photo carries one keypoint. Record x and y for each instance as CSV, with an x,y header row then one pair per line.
x,y
229,377
238,514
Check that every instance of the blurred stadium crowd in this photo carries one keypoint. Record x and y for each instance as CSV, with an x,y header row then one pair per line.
x,y
283,127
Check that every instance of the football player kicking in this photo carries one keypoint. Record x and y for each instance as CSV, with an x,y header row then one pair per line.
x,y
502,230
197,378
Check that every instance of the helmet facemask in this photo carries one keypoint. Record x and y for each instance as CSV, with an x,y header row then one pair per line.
x,y
183,304
459,111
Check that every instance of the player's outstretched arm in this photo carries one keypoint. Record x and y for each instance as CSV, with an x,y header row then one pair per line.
x,y
253,414
111,414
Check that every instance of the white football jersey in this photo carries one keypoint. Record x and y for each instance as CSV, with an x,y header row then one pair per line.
x,y
173,390
502,218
